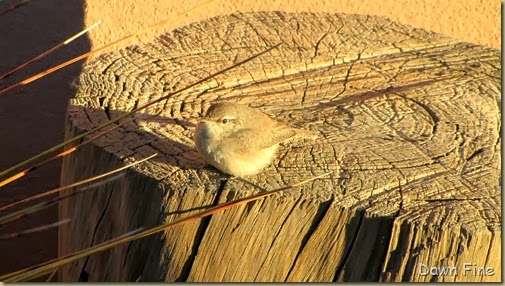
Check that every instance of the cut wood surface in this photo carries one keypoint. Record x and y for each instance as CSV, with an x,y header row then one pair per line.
x,y
408,122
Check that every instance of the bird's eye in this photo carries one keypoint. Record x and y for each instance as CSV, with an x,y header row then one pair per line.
x,y
225,120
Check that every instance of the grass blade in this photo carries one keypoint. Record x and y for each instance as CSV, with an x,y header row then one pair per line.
x,y
35,229
59,189
13,7
52,275
83,56
44,205
51,50
62,154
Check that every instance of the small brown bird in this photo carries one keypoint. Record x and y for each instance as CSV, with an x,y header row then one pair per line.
x,y
240,140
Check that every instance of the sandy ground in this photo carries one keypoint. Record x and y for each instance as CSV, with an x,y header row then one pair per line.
x,y
32,117
475,21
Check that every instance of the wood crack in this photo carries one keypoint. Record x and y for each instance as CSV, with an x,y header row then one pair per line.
x,y
200,233
323,210
84,275
288,216
361,216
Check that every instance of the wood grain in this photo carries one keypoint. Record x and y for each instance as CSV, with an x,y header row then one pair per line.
x,y
409,122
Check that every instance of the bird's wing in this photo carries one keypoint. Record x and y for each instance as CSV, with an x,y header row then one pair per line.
x,y
249,139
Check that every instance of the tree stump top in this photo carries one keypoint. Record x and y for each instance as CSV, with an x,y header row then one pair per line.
x,y
409,123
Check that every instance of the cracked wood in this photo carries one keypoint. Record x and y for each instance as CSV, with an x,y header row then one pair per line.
x,y
409,122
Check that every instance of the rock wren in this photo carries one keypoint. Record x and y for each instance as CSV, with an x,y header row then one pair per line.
x,y
240,140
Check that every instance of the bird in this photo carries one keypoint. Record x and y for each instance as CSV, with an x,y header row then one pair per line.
x,y
240,140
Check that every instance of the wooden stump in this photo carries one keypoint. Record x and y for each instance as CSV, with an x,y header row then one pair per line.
x,y
409,122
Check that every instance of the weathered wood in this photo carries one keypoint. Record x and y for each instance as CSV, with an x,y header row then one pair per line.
x,y
409,122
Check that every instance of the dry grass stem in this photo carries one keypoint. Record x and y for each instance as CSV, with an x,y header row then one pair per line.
x,y
62,154
45,194
83,56
51,50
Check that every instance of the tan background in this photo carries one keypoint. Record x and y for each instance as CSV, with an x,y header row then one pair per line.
x,y
32,117
475,21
